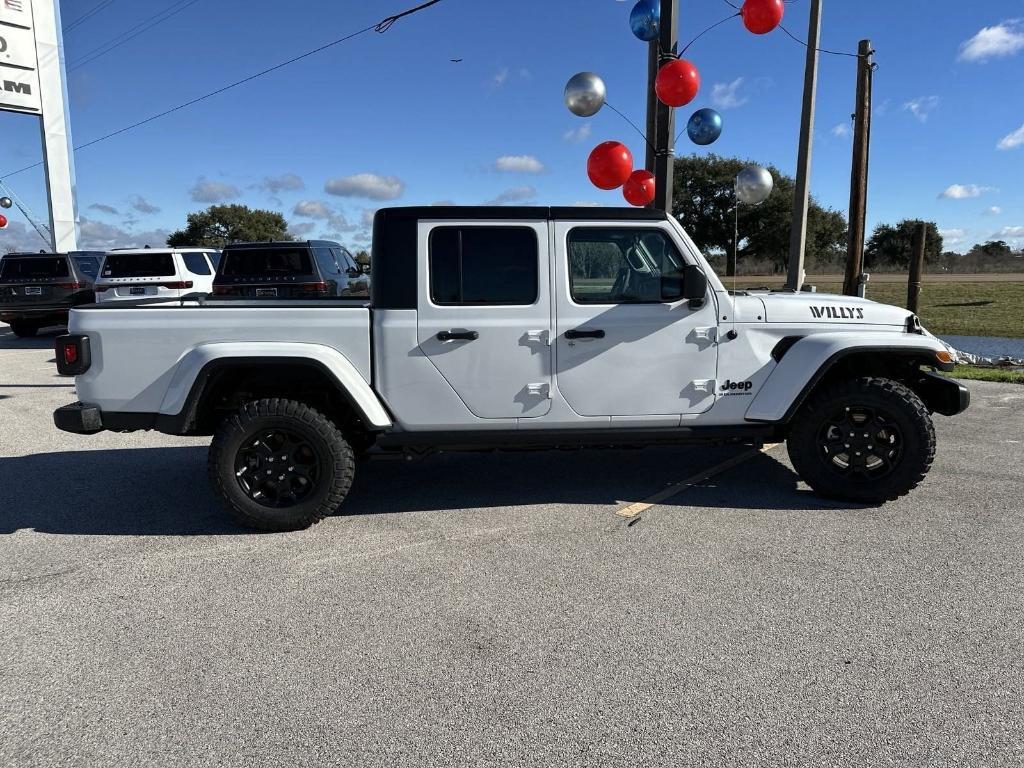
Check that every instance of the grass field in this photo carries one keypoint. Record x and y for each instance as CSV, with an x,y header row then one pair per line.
x,y
988,374
955,308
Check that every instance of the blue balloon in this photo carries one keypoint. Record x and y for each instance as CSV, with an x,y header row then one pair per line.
x,y
645,18
705,127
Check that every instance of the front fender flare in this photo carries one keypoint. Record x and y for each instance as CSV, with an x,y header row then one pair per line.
x,y
808,360
202,358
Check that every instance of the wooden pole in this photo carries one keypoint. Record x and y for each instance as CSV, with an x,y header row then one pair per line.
x,y
664,140
859,175
916,266
801,201
652,107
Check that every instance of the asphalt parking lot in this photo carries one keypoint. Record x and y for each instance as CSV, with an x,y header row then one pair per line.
x,y
496,610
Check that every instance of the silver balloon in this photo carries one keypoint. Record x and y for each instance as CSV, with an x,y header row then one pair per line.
x,y
6,202
753,185
585,94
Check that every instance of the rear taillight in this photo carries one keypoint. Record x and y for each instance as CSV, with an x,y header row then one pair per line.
x,y
313,287
69,286
179,286
73,354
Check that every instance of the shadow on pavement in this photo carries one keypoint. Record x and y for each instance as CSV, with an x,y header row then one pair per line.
x,y
44,340
164,491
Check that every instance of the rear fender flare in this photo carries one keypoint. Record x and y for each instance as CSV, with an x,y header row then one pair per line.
x,y
808,361
195,366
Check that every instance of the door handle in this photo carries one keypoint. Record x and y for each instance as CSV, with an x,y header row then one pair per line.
x,y
581,334
458,336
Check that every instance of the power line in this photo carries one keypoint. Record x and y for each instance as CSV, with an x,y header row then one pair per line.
x,y
116,42
88,15
382,26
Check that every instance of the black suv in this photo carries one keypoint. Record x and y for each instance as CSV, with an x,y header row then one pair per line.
x,y
38,289
291,270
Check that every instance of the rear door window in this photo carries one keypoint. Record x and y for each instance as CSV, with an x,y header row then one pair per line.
x,y
196,263
266,262
328,264
120,265
483,265
33,268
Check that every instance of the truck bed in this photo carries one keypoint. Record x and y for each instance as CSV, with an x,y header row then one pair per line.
x,y
140,347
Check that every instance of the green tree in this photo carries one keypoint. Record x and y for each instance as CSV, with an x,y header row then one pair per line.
x,y
704,200
219,225
892,246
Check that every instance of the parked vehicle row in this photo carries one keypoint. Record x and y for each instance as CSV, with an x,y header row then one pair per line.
x,y
39,289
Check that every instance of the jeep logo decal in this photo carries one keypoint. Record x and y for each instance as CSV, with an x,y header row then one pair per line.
x,y
838,313
737,386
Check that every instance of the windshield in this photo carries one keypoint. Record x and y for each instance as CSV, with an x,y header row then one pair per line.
x,y
138,265
266,262
33,268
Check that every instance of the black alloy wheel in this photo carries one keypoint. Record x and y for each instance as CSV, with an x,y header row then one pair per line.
x,y
279,468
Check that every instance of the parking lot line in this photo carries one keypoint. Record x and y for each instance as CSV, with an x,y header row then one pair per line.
x,y
635,509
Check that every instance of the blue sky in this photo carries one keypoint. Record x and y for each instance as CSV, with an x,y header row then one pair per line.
x,y
388,119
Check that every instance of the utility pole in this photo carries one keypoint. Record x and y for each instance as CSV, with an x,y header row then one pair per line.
x,y
916,266
661,122
798,230
859,175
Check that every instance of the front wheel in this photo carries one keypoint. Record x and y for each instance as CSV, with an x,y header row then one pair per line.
x,y
24,329
280,465
865,440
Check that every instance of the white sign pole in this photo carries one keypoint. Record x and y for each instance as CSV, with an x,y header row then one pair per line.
x,y
32,81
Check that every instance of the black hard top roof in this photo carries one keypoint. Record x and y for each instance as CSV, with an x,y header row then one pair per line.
x,y
500,212
286,244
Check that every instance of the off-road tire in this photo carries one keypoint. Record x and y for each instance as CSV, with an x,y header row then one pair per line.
x,y
24,329
815,464
334,463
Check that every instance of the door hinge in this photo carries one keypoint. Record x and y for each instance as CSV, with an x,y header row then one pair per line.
x,y
539,390
706,334
538,337
705,385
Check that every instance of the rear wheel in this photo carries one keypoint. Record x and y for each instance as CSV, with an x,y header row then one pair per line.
x,y
280,465
867,440
24,328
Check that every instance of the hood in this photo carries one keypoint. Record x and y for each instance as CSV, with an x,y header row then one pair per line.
x,y
829,308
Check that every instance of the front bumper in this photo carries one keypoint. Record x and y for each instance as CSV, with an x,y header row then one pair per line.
x,y
79,419
943,395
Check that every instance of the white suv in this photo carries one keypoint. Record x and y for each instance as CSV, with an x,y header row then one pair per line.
x,y
151,273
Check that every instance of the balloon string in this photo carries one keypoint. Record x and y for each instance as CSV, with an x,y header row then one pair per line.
x,y
735,254
635,128
716,24
819,50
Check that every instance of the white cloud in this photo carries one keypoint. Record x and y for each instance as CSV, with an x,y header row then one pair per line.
x,y
1011,232
367,217
500,76
726,95
587,204
964,191
140,204
213,191
368,185
992,210
102,208
303,229
578,135
312,209
518,164
286,182
521,194
952,236
98,236
1004,39
20,237
922,107
1012,140
842,131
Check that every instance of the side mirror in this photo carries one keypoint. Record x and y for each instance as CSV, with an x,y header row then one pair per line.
x,y
695,285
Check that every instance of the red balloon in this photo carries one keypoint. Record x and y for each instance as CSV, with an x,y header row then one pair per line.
x,y
609,165
639,188
762,16
3,221
677,83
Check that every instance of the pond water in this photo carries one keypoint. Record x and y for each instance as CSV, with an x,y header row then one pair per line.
x,y
987,346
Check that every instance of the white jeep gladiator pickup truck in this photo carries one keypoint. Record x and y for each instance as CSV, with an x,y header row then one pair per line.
x,y
503,328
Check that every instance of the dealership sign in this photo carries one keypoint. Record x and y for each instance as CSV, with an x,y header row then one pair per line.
x,y
19,75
